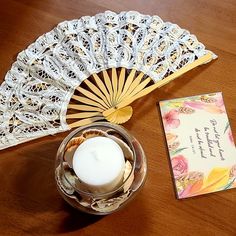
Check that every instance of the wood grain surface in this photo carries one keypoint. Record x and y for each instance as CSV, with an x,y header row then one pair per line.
x,y
29,201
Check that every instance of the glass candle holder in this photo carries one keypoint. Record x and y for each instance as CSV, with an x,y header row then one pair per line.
x,y
100,203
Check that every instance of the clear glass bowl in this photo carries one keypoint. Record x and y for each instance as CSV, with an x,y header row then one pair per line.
x,y
100,203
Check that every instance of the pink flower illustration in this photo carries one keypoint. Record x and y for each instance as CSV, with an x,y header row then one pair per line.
x,y
179,165
231,138
171,120
215,107
194,104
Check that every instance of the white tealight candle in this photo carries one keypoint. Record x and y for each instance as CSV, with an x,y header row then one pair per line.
x,y
99,163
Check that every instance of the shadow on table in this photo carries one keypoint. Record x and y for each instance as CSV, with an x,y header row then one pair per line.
x,y
35,195
76,220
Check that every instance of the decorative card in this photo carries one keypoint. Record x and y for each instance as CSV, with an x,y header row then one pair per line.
x,y
200,143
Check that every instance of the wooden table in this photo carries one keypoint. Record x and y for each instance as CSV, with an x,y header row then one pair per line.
x,y
29,201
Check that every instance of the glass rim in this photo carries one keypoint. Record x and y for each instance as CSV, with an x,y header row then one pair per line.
x,y
122,131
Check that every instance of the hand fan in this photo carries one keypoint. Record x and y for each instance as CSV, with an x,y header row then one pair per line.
x,y
92,69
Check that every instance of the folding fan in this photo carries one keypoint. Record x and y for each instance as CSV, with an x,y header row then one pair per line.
x,y
92,69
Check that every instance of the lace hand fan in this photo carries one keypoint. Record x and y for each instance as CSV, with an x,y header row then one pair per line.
x,y
92,69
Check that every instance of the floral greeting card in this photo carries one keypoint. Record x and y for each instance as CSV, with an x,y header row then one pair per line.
x,y
200,144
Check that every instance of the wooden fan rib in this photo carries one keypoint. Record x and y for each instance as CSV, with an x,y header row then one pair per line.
x,y
88,101
161,83
128,82
86,121
84,108
114,84
134,84
102,87
82,115
97,91
108,84
121,82
139,88
129,96
90,95
173,76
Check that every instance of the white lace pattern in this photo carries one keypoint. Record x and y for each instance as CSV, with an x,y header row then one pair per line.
x,y
38,87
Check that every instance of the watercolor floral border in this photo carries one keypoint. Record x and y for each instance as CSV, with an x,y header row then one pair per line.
x,y
194,183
